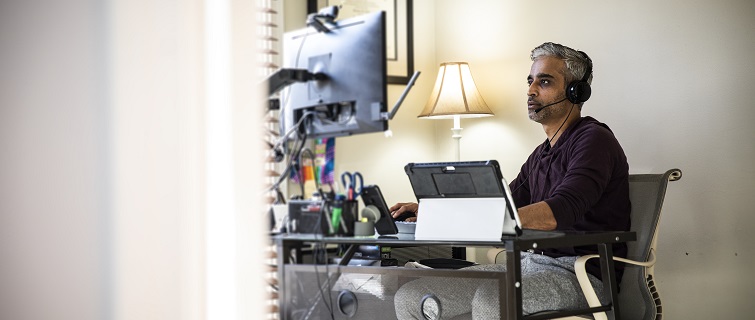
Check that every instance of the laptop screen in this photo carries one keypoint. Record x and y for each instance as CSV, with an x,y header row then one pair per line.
x,y
468,180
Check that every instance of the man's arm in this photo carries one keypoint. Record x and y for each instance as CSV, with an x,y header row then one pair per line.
x,y
593,155
537,216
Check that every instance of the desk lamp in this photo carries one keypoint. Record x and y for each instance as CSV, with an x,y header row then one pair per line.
x,y
455,95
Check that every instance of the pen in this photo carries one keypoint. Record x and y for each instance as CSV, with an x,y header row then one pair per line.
x,y
329,223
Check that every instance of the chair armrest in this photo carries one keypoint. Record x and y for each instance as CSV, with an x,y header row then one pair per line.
x,y
584,281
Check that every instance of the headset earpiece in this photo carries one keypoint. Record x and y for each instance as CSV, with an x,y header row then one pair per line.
x,y
579,91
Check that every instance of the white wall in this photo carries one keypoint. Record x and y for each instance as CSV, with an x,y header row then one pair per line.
x,y
672,79
104,171
53,172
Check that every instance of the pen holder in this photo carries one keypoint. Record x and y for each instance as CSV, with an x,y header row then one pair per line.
x,y
343,216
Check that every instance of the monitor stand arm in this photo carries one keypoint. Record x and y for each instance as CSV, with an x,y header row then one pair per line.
x,y
285,77
389,115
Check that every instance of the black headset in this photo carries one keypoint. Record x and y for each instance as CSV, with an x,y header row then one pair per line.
x,y
579,91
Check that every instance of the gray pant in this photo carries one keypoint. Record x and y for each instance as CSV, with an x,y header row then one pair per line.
x,y
547,284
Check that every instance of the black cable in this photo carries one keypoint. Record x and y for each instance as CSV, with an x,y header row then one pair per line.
x,y
298,145
327,265
495,260
279,197
320,249
316,252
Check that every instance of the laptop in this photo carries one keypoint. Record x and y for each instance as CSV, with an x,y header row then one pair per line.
x,y
467,200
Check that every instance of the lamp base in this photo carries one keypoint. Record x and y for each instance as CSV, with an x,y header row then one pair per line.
x,y
457,136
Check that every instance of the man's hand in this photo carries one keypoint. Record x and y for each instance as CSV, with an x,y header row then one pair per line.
x,y
401,207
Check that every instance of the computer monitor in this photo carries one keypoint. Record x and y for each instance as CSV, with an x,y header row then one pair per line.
x,y
351,97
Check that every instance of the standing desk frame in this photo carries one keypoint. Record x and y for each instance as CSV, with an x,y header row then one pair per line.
x,y
511,306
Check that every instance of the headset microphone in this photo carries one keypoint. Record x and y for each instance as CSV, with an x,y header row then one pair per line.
x,y
548,105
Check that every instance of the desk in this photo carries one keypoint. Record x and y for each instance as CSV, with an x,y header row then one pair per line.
x,y
511,305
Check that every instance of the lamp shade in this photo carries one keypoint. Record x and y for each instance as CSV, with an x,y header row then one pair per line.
x,y
455,94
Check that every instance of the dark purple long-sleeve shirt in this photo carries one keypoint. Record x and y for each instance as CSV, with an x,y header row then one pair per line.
x,y
584,179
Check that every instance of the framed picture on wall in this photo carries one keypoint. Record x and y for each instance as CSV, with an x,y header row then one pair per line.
x,y
399,30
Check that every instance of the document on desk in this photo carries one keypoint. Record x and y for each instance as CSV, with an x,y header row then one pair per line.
x,y
476,219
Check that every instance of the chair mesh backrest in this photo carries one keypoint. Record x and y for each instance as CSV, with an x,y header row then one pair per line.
x,y
646,192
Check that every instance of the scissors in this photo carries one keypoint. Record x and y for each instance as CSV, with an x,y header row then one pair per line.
x,y
353,183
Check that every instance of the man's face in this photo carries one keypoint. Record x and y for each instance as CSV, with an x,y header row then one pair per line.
x,y
546,85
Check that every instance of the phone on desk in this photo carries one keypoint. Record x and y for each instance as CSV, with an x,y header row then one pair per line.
x,y
371,196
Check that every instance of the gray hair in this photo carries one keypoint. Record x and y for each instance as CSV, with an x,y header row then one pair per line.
x,y
577,63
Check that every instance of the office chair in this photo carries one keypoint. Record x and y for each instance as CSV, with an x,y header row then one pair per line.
x,y
638,297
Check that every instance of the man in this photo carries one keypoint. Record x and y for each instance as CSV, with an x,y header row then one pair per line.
x,y
578,179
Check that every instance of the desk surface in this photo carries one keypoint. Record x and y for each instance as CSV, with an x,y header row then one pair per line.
x,y
530,239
